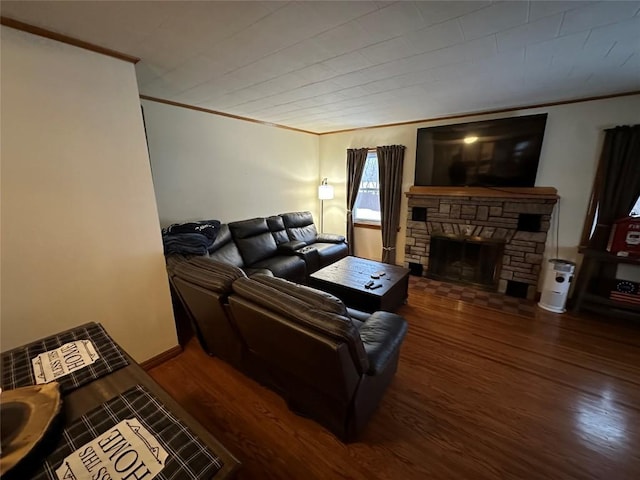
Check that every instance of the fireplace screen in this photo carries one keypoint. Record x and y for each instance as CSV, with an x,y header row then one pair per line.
x,y
471,260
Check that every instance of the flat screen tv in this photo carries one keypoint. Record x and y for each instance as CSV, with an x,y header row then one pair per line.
x,y
492,153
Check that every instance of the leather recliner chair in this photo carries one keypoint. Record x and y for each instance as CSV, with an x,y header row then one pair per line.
x,y
300,227
330,363
259,250
203,287
326,364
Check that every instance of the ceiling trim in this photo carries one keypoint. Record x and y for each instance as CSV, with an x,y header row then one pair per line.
x,y
489,112
42,32
222,114
410,122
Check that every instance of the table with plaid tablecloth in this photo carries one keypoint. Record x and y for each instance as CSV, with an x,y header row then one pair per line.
x,y
17,370
188,458
100,396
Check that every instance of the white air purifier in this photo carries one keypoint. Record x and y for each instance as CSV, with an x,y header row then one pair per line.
x,y
556,286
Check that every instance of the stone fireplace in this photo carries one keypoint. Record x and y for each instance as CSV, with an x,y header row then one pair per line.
x,y
493,238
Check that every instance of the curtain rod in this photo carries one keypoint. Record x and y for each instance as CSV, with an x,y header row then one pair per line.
x,y
368,148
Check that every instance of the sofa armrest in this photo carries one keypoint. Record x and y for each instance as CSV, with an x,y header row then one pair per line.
x,y
330,238
358,315
290,248
382,334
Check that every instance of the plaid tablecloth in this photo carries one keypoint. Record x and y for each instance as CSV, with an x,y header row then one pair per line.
x,y
17,370
188,457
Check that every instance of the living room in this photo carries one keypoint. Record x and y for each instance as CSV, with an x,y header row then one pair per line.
x,y
76,166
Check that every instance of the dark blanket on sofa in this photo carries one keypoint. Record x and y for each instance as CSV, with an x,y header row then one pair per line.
x,y
191,238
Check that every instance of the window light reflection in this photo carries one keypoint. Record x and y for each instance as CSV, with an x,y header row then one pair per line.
x,y
601,421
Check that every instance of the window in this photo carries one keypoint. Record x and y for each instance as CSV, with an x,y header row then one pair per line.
x,y
367,207
635,211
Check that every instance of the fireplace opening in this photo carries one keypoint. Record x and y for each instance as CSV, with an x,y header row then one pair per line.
x,y
415,269
529,222
464,259
419,214
517,289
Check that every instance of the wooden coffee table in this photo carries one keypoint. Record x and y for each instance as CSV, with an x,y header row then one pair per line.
x,y
346,280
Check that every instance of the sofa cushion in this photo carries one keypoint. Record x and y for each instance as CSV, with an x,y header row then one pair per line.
x,y
254,240
218,268
300,226
276,226
277,298
175,259
208,274
258,271
224,249
331,238
330,252
312,297
305,234
285,266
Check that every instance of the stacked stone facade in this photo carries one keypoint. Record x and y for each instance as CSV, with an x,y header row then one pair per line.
x,y
487,217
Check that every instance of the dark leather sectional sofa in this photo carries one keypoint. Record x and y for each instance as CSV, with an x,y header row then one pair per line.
x,y
328,362
287,246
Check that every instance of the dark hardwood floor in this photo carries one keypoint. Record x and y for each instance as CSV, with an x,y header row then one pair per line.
x,y
478,394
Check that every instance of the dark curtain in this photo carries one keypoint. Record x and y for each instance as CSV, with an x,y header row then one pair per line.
x,y
617,183
390,161
356,158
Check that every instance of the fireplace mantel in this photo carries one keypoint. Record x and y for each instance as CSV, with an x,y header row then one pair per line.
x,y
543,193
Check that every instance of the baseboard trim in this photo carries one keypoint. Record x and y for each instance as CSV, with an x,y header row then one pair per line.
x,y
161,358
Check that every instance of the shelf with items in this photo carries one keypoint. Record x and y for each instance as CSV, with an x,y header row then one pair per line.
x,y
596,282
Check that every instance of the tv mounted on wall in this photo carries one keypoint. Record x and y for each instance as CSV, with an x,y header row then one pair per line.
x,y
492,153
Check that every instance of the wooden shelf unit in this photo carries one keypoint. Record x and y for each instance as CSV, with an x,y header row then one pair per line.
x,y
588,293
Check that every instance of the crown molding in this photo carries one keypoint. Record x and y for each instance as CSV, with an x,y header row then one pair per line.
x,y
43,32
489,112
222,114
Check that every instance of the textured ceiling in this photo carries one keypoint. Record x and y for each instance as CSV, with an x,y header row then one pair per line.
x,y
327,66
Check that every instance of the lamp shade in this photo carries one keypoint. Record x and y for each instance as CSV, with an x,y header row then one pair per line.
x,y
325,191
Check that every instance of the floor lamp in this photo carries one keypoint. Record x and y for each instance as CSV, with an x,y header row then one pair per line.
x,y
325,192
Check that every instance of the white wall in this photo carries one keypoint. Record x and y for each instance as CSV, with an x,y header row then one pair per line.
x,y
80,232
570,152
368,243
209,166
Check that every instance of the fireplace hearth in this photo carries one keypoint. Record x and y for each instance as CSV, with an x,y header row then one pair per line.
x,y
497,236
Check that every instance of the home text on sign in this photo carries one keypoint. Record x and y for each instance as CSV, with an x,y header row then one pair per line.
x,y
127,451
52,365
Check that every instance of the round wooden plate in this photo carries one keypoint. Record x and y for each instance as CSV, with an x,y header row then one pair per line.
x,y
25,414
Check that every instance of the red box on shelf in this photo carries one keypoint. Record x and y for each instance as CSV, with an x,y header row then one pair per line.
x,y
625,237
